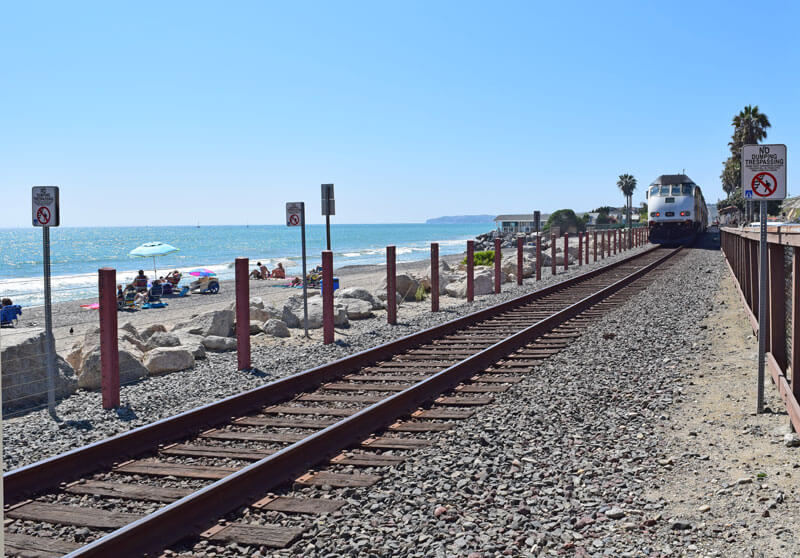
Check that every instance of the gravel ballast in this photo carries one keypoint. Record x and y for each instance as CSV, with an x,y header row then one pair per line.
x,y
35,435
564,463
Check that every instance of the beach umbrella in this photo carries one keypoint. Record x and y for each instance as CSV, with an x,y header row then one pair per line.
x,y
153,250
202,272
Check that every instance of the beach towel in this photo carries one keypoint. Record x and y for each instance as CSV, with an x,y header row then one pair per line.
x,y
93,306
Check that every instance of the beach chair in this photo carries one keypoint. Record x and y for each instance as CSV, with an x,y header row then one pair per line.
x,y
154,296
129,301
184,291
167,288
8,315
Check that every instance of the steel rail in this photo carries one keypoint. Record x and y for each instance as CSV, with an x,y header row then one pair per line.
x,y
198,511
49,473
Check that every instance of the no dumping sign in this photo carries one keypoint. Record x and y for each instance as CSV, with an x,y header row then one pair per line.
x,y
294,214
45,204
764,172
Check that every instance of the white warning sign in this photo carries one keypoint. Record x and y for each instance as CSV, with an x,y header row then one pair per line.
x,y
764,172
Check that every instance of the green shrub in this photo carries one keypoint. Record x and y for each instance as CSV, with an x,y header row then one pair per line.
x,y
419,296
485,257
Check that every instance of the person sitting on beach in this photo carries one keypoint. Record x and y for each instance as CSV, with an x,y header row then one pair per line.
x,y
174,278
140,281
279,272
6,302
120,294
264,271
296,281
256,273
140,299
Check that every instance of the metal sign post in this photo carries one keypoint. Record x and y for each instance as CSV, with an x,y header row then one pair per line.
x,y
328,209
296,217
763,179
46,214
537,217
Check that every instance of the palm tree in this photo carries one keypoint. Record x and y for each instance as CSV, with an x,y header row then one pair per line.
x,y
627,183
750,127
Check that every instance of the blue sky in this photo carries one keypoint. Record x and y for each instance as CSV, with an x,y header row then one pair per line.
x,y
164,113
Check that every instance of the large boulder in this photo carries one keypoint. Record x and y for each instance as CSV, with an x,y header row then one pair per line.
x,y
445,277
509,266
293,313
148,332
264,313
163,339
217,343
406,286
192,343
357,309
359,293
168,359
90,374
256,327
276,328
484,284
24,376
216,322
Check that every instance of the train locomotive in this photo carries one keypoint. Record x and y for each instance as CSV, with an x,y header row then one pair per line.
x,y
676,209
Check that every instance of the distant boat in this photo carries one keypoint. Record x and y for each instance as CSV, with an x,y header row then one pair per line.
x,y
198,224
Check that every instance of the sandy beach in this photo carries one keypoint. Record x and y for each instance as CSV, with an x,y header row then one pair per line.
x,y
71,321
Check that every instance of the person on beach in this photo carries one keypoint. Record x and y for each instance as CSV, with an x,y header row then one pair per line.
x,y
279,272
140,281
296,281
6,302
120,294
174,278
256,273
264,271
141,298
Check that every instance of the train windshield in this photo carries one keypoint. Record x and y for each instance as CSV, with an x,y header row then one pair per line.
x,y
665,190
654,191
676,189
687,189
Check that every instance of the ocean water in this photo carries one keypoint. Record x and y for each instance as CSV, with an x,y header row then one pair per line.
x,y
78,252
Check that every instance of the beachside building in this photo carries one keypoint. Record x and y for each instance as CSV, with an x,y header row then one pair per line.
x,y
519,223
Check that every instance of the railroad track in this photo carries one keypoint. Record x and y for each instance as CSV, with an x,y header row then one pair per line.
x,y
180,477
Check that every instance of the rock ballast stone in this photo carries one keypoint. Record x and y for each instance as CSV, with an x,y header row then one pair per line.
x,y
217,343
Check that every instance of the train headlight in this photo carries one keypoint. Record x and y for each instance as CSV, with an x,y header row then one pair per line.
x,y
655,214
685,213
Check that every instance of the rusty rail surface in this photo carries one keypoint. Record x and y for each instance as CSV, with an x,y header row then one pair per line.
x,y
741,250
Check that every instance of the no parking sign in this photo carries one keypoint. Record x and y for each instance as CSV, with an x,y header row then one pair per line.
x,y
764,172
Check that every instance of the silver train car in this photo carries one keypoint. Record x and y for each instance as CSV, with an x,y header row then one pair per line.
x,y
676,208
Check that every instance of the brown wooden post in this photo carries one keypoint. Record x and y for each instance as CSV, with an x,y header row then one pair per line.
x,y
777,304
470,270
434,277
109,345
553,253
241,266
602,245
391,285
520,242
539,257
566,251
594,244
327,297
497,257
614,239
580,249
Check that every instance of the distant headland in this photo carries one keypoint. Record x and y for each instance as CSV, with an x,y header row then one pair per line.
x,y
460,220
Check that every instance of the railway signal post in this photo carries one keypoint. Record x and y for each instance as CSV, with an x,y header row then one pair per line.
x,y
763,179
